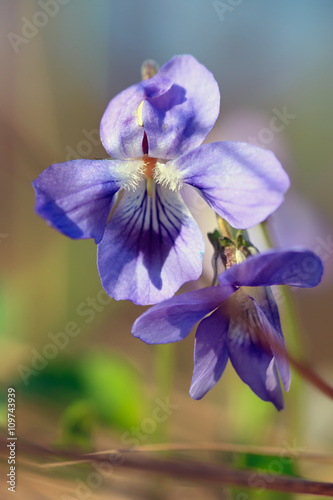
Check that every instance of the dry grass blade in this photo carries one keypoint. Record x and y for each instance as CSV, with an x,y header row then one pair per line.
x,y
229,448
189,470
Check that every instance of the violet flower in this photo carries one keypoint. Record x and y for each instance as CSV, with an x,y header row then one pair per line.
x,y
151,244
243,326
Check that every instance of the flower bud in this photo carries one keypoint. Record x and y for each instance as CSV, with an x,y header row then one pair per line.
x,y
149,68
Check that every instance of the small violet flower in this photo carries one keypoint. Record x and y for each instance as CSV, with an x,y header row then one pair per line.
x,y
243,326
151,245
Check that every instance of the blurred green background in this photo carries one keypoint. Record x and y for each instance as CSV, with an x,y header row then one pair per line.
x,y
59,70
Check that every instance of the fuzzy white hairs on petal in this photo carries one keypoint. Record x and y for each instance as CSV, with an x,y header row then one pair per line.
x,y
132,173
166,175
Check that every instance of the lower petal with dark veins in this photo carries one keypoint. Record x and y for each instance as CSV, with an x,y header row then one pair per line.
x,y
151,246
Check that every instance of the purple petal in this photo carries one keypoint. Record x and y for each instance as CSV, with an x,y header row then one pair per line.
x,y
295,267
173,319
121,132
152,245
269,318
252,362
181,118
244,184
76,197
210,353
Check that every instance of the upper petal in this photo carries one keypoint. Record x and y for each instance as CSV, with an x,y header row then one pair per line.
x,y
151,246
297,267
244,184
121,130
210,352
75,197
180,119
173,319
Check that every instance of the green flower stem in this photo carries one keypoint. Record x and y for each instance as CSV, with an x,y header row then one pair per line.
x,y
289,318
291,326
293,339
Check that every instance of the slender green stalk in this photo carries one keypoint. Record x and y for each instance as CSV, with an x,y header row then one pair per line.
x,y
292,334
291,326
289,318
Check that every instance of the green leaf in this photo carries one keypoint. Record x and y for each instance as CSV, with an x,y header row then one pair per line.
x,y
115,388
77,423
